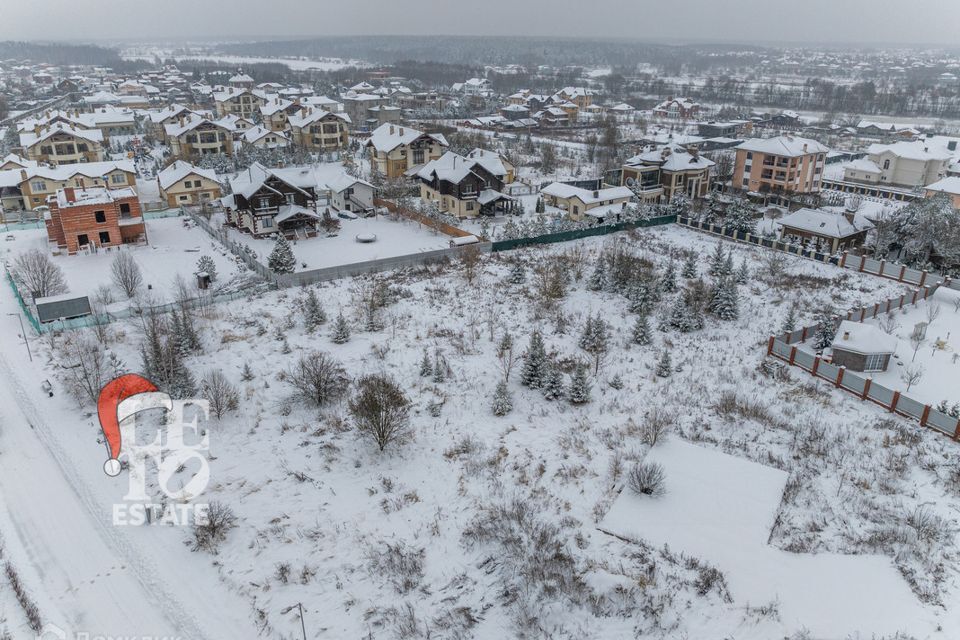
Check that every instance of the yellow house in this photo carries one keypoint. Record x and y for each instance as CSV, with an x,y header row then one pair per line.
x,y
62,143
182,183
38,183
315,129
193,136
578,203
394,149
239,102
13,161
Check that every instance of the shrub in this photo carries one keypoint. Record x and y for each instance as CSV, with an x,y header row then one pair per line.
x,y
208,534
647,479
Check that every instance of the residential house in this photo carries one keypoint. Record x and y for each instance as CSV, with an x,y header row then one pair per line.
x,y
240,81
36,184
682,170
580,96
599,204
94,218
862,347
677,108
315,129
466,187
13,161
110,121
183,183
62,143
193,136
902,164
239,102
825,231
949,186
265,138
159,119
782,164
479,87
394,150
348,193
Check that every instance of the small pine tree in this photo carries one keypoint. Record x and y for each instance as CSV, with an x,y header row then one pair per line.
x,y
728,267
247,374
664,365
668,281
599,276
790,322
725,303
281,259
518,275
641,331
502,402
341,330
640,299
690,266
579,385
553,387
426,366
595,339
286,346
439,367
534,362
313,314
718,260
206,265
540,208
826,330
743,273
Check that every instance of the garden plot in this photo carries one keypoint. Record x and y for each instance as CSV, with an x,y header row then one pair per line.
x,y
937,355
393,238
173,250
484,525
721,508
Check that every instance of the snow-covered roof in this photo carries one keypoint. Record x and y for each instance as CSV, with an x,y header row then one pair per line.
x,y
30,138
864,164
672,158
241,77
189,123
911,150
863,339
172,111
388,137
93,195
15,159
253,134
287,211
180,170
566,191
823,223
789,146
345,181
318,177
949,185
452,167
308,115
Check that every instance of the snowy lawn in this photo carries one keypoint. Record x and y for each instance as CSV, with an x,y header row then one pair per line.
x,y
173,250
394,238
486,527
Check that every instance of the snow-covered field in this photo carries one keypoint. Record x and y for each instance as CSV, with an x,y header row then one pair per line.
x,y
173,249
296,64
490,527
394,238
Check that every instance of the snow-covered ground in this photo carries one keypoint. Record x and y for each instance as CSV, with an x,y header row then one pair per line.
x,y
394,238
485,526
173,249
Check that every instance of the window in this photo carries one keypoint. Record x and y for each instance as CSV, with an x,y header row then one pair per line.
x,y
874,362
83,240
470,206
184,198
38,185
104,237
125,208
749,155
291,198
46,150
118,178
886,163
100,216
264,202
267,223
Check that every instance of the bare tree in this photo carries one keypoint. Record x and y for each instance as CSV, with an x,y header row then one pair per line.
x,y
656,426
889,324
470,259
507,355
318,377
209,532
381,410
220,392
916,341
126,273
87,367
911,375
38,273
932,312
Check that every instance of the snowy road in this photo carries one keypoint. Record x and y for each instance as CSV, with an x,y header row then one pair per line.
x,y
86,574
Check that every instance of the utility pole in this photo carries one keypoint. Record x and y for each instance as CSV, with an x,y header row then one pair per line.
x,y
23,333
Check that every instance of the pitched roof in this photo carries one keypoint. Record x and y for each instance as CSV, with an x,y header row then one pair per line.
x,y
862,338
949,185
823,223
565,191
30,138
911,150
180,170
388,137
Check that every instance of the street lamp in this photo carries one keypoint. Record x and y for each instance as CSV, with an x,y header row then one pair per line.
x,y
23,333
303,626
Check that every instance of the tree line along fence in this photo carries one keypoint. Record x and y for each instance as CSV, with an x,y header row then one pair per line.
x,y
785,347
846,260
575,234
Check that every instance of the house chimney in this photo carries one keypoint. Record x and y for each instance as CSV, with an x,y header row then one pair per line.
x,y
952,145
804,147
846,335
401,130
391,129
36,129
69,194
23,175
596,194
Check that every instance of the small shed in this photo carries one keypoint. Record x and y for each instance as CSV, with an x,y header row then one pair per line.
x,y
862,347
62,307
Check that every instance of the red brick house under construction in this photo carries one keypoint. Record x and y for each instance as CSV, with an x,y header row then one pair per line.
x,y
89,219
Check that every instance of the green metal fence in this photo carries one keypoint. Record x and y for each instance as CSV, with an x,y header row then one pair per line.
x,y
23,305
564,236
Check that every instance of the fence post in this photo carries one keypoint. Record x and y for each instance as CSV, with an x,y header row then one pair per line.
x,y
803,335
866,389
816,365
793,354
863,261
839,379
863,314
926,292
895,401
923,277
843,260
925,416
903,270
915,294
956,432
770,345
883,263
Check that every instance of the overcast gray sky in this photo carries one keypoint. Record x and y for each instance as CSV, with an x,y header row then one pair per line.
x,y
856,21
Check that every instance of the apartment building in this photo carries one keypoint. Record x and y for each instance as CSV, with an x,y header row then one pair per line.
x,y
785,164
